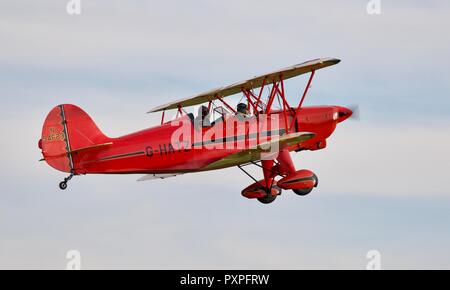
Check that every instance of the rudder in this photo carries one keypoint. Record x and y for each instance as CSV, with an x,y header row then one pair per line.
x,y
68,128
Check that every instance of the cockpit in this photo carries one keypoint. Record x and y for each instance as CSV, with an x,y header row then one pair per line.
x,y
219,114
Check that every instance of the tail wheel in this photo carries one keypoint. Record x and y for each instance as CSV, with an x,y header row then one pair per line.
x,y
306,191
269,198
63,185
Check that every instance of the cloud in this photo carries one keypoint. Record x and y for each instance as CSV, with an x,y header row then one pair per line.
x,y
400,160
258,32
394,64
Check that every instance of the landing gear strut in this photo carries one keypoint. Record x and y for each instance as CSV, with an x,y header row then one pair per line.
x,y
268,184
63,184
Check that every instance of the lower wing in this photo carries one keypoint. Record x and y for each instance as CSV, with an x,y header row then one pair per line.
x,y
265,150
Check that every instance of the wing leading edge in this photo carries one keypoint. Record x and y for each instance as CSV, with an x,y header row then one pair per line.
x,y
252,83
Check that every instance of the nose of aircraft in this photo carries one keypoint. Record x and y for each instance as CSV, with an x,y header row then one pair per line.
x,y
343,113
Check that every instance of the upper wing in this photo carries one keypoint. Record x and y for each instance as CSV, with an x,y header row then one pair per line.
x,y
255,82
255,153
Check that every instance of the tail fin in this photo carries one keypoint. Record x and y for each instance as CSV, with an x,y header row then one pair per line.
x,y
68,129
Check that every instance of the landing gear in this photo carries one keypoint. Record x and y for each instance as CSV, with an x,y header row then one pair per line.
x,y
259,188
306,191
269,198
63,184
303,191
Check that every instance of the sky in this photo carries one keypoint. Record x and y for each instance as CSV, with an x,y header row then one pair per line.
x,y
383,179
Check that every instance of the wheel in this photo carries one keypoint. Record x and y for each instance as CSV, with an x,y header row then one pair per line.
x,y
270,198
267,199
303,191
63,185
306,191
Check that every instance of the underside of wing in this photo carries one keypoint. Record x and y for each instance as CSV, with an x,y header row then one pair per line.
x,y
157,176
249,84
266,150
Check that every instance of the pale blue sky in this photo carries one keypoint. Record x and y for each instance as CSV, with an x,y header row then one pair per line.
x,y
383,180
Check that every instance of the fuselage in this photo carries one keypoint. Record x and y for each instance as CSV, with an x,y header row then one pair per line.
x,y
184,145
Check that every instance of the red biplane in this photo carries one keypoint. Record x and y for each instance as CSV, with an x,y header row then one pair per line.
x,y
262,131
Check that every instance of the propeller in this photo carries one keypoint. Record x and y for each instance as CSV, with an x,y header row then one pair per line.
x,y
349,112
355,112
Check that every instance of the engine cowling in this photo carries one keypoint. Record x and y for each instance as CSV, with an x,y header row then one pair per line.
x,y
258,190
300,179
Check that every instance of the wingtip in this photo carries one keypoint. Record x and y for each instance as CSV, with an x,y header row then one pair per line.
x,y
157,109
333,60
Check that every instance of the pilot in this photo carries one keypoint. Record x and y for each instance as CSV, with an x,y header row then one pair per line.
x,y
242,111
203,117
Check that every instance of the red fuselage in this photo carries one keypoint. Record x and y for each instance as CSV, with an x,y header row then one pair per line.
x,y
153,150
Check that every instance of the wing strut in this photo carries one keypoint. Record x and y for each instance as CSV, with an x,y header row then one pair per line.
x,y
162,117
285,105
301,101
225,103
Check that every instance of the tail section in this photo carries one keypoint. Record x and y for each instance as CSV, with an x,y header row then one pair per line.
x,y
68,129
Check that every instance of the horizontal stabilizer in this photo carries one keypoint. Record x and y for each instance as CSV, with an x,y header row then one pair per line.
x,y
96,146
91,147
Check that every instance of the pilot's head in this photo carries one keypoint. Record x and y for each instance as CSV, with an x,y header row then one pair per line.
x,y
242,108
203,111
